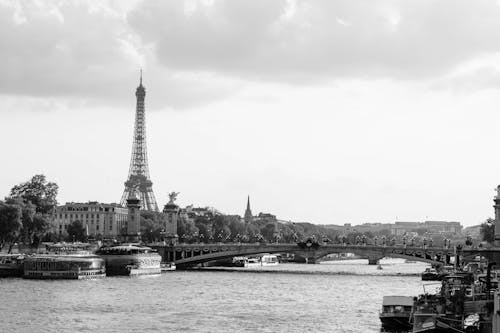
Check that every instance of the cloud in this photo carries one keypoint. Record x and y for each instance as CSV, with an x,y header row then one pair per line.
x,y
195,52
87,52
309,40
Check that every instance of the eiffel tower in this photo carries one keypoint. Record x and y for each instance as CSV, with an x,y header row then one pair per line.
x,y
138,175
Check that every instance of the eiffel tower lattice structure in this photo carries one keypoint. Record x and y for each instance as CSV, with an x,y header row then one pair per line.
x,y
138,176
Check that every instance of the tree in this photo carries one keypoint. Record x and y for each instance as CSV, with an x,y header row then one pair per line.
x,y
34,225
204,230
186,229
488,230
76,231
251,232
152,226
150,230
268,231
37,191
10,223
236,226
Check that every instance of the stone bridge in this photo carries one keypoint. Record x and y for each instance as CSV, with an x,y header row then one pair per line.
x,y
192,254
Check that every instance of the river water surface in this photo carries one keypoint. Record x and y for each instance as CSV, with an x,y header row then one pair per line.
x,y
329,297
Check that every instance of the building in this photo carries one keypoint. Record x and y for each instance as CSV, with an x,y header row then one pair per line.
x,y
400,228
265,217
138,175
99,219
429,227
440,227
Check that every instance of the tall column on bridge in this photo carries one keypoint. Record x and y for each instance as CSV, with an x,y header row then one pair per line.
x,y
497,217
133,229
171,215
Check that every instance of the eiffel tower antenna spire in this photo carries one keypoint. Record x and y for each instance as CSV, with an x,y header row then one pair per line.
x,y
138,181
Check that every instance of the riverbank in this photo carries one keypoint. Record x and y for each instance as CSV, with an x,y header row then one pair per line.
x,y
389,267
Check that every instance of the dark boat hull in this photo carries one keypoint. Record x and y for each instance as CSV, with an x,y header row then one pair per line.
x,y
430,277
396,323
11,271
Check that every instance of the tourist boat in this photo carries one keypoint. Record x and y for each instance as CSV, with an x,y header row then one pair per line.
x,y
239,261
269,260
130,260
430,274
11,265
167,266
433,274
253,262
65,261
396,312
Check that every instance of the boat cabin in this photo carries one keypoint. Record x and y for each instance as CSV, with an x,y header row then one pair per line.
x,y
397,304
124,250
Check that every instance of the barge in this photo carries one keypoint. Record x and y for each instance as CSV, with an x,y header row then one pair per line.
x,y
64,261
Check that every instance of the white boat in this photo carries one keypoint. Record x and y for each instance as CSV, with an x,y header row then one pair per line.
x,y
130,260
253,262
168,266
269,260
64,261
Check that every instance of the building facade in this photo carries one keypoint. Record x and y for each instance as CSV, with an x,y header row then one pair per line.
x,y
98,219
430,227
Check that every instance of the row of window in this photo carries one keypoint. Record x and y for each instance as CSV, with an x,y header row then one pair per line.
x,y
119,217
90,209
96,227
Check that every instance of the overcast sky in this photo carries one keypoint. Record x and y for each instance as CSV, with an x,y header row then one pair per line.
x,y
321,111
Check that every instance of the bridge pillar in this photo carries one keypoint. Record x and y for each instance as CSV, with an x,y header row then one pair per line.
x,y
310,260
373,260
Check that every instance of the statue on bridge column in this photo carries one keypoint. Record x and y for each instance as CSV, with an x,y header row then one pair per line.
x,y
172,197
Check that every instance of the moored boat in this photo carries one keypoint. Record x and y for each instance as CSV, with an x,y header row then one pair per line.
x,y
430,274
253,262
64,261
269,260
11,265
168,266
239,261
396,312
130,260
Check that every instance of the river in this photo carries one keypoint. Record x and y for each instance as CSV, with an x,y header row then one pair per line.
x,y
340,296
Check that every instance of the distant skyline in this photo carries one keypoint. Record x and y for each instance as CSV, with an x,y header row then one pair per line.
x,y
329,112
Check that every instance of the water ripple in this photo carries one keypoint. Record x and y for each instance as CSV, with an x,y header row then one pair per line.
x,y
329,297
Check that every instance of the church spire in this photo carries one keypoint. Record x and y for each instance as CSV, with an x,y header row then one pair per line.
x,y
248,212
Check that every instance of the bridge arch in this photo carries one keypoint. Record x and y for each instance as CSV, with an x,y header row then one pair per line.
x,y
200,253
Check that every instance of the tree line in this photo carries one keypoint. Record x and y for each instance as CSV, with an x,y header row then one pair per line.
x,y
26,212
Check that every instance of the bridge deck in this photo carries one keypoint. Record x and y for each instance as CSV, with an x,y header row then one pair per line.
x,y
198,253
